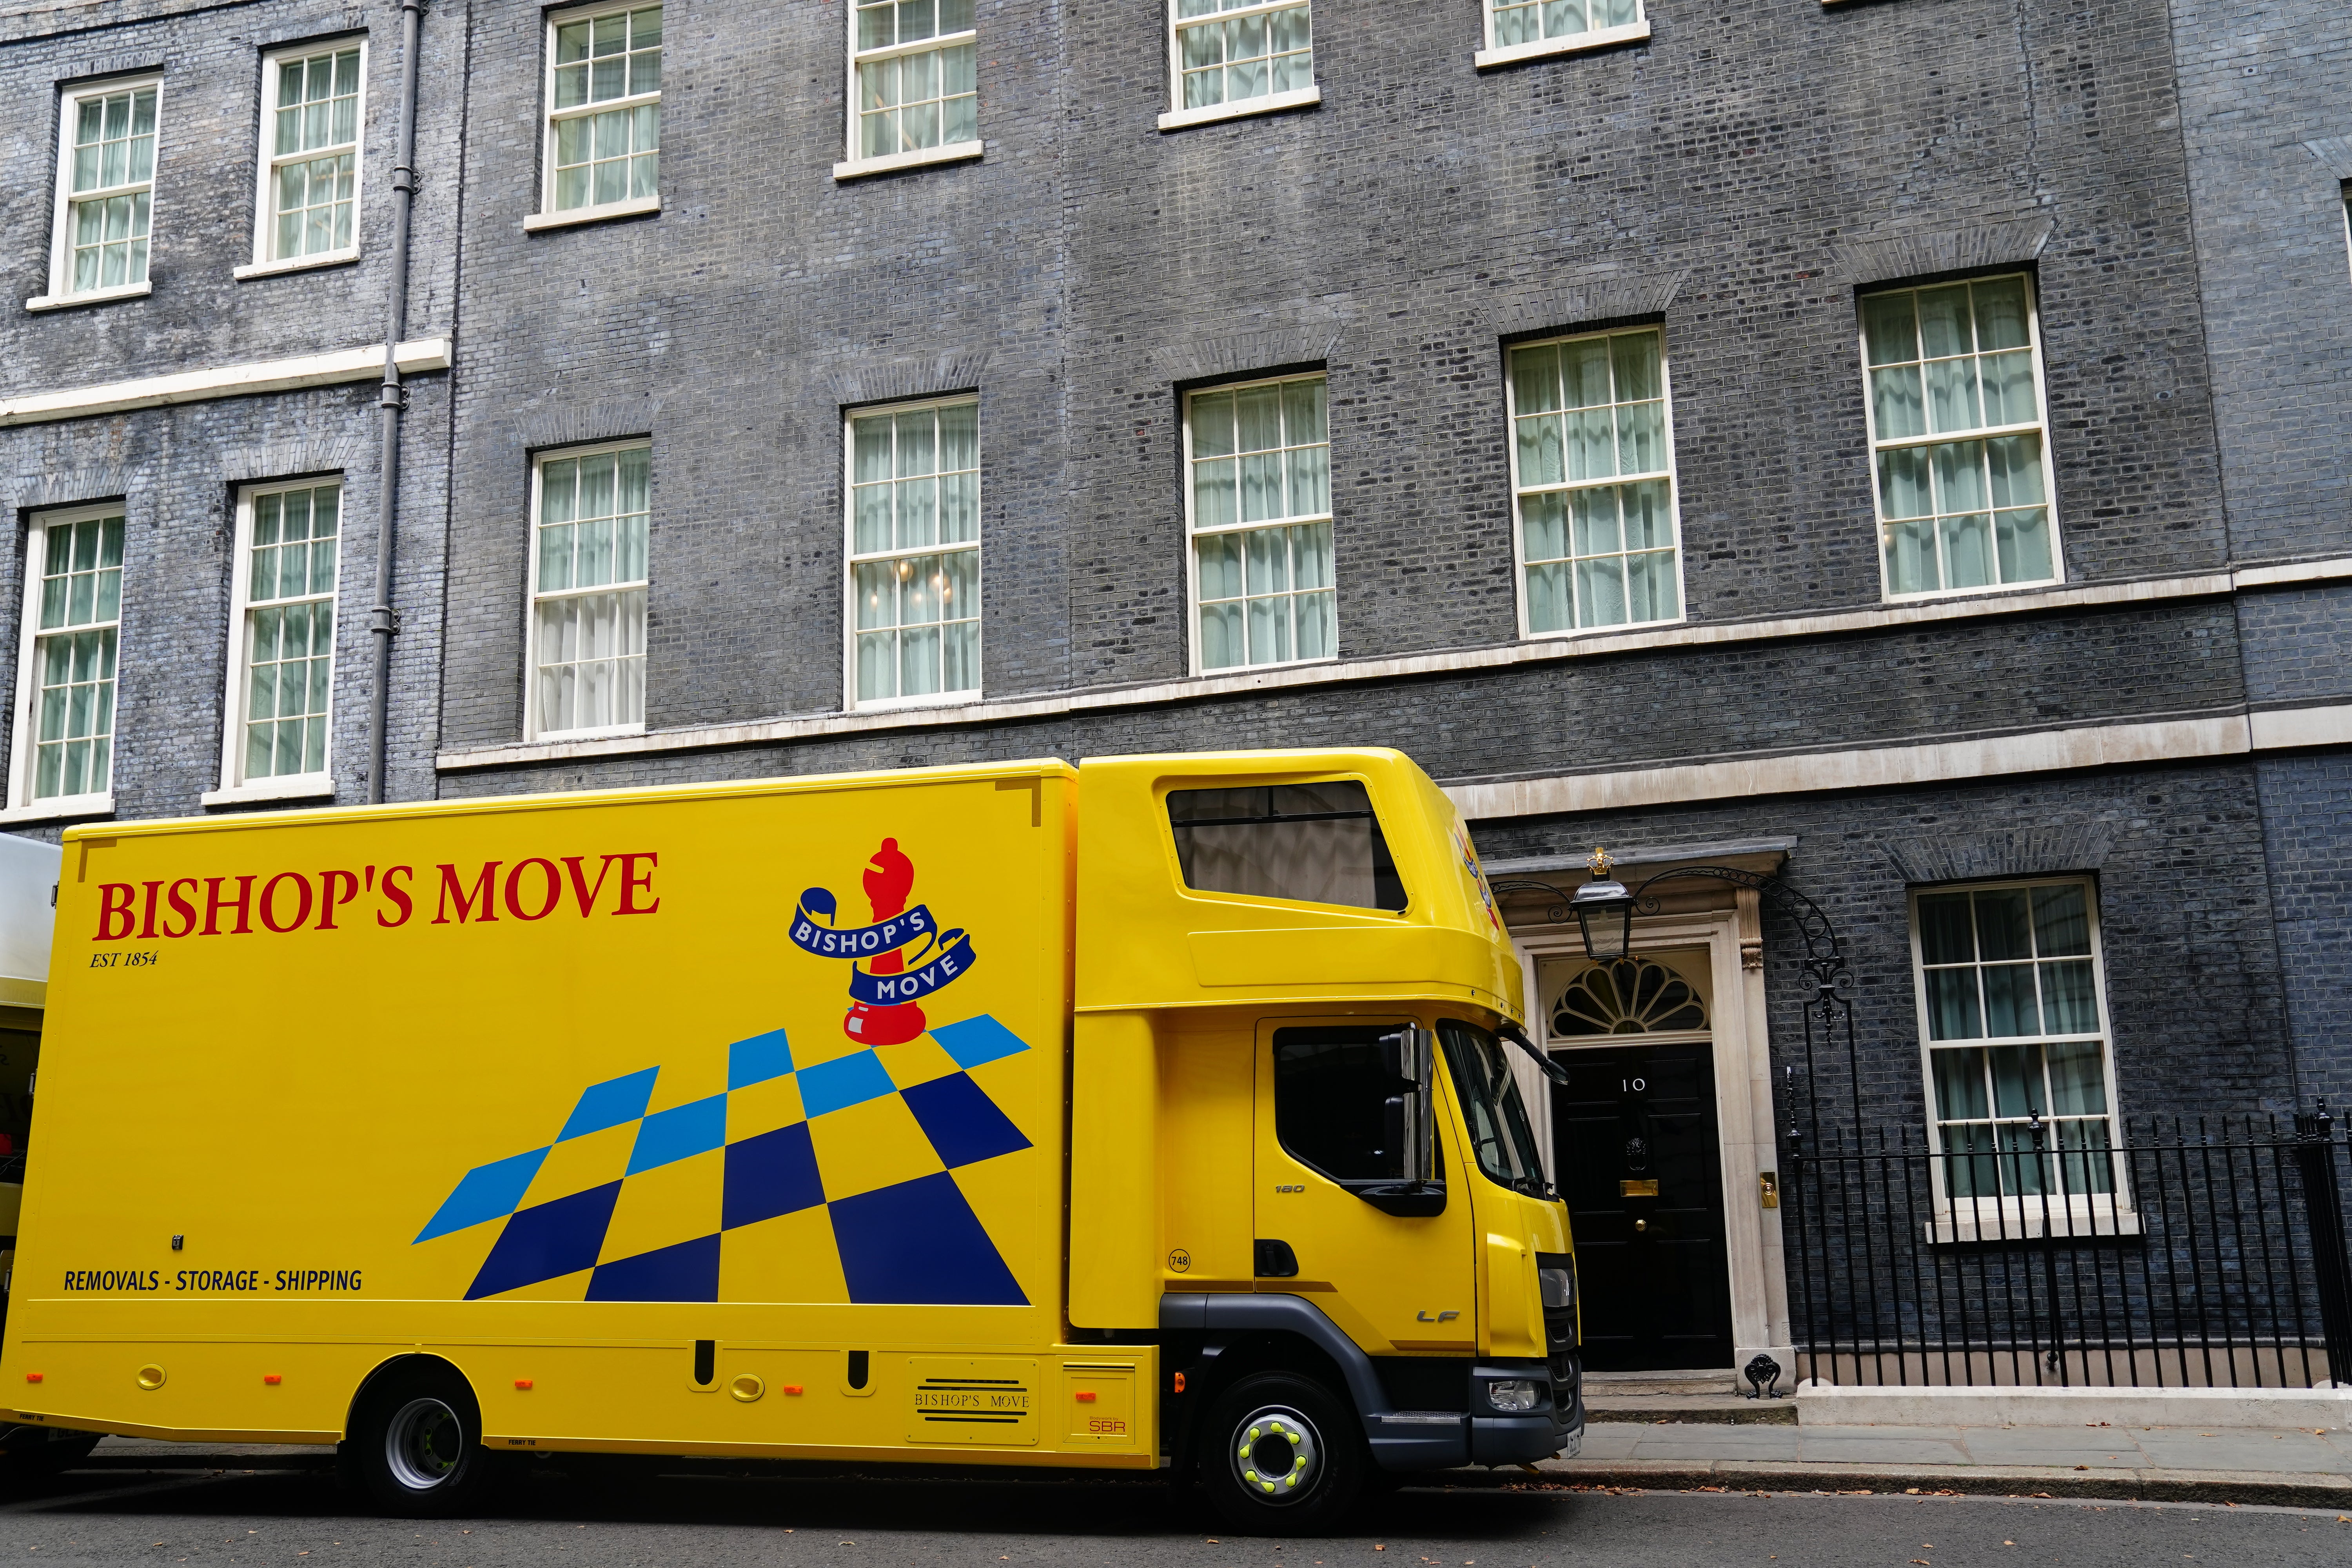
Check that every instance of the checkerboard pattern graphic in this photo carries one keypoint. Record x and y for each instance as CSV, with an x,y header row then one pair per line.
x,y
902,1228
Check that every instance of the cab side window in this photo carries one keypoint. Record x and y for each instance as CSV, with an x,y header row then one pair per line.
x,y
1331,1089
1314,843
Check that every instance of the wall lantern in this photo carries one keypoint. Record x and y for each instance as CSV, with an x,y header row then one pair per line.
x,y
1604,912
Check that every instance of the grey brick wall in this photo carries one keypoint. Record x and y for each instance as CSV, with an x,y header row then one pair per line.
x,y
2193,971
178,469
2259,84
2307,801
1735,179
1091,266
2298,644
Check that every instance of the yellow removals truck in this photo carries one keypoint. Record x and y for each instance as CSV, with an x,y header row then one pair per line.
x,y
1151,1112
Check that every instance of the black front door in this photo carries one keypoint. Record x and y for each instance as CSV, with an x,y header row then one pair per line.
x,y
1635,1141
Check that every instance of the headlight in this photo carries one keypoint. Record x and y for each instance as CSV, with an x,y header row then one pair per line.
x,y
1513,1394
1559,1288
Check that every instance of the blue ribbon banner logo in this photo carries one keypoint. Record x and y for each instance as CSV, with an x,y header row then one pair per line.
x,y
943,956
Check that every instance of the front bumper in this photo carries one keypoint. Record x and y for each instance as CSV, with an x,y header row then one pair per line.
x,y
1539,1434
1435,1440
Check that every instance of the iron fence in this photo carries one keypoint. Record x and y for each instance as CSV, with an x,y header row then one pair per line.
x,y
2184,1253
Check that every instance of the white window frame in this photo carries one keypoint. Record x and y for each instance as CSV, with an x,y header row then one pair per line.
x,y
1974,1219
2039,425
549,216
22,807
851,558
1177,117
531,595
1674,487
1193,534
266,162
61,292
1493,53
853,165
233,784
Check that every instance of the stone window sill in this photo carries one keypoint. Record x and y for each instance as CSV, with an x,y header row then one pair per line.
x,y
296,264
636,206
922,157
1572,44
94,297
300,786
910,704
2029,1223
1210,113
60,809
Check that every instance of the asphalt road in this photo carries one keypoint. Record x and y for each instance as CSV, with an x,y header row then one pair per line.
x,y
298,1520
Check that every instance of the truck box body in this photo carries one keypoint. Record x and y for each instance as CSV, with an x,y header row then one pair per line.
x,y
731,1118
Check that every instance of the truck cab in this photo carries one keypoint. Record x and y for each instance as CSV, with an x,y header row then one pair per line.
x,y
1300,1162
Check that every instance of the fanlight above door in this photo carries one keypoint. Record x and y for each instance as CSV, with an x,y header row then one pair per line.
x,y
1631,996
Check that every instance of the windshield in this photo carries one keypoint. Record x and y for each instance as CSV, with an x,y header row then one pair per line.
x,y
1500,1130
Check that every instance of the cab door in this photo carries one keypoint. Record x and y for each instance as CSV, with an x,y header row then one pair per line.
x,y
1343,1216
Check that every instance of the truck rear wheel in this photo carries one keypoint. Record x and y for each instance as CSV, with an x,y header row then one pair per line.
x,y
416,1445
1281,1456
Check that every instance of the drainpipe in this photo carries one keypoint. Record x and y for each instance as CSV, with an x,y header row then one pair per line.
x,y
383,621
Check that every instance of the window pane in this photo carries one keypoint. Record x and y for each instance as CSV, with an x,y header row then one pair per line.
x,y
1331,1089
1315,843
2069,1002
2078,1082
2003,925
1890,328
2010,1000
1960,1085
1952,1013
2062,921
2016,1079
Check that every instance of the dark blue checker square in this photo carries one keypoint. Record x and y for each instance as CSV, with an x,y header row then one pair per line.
x,y
918,1243
685,1272
547,1241
773,1173
962,1123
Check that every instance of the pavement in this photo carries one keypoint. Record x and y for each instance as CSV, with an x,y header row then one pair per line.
x,y
136,1510
2298,1466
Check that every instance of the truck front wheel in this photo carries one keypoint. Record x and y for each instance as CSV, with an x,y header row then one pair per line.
x,y
416,1445
1280,1455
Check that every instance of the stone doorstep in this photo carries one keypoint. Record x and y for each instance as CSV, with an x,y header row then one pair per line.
x,y
1851,1405
1705,1382
2146,1484
1723,1409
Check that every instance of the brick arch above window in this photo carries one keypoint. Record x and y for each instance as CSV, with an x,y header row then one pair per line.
x,y
559,423
1975,248
2024,852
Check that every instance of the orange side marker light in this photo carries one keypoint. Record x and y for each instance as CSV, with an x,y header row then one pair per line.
x,y
1179,1383
1086,1396
791,1388
524,1383
272,1379
32,1377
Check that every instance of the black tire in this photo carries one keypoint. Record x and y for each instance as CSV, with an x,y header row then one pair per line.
x,y
1279,1454
34,1453
415,1445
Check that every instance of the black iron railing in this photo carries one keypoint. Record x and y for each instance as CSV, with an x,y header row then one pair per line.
x,y
2182,1253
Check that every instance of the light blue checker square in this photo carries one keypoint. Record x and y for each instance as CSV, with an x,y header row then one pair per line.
x,y
486,1192
837,1085
757,1059
978,1039
610,1104
694,1128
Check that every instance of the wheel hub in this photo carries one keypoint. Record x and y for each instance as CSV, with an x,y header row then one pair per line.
x,y
1277,1455
424,1443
